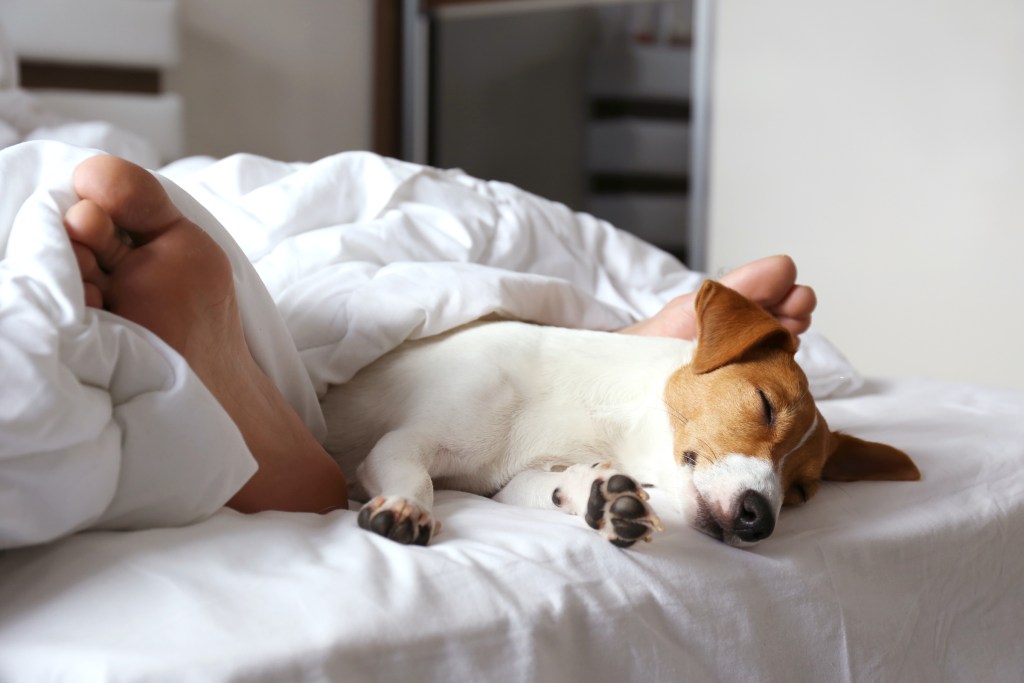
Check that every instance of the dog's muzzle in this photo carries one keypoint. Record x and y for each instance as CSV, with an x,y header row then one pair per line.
x,y
754,520
751,520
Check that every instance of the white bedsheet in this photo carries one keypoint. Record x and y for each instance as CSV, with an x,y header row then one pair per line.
x,y
869,582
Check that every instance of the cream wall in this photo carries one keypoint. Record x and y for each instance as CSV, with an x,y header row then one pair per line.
x,y
881,143
289,80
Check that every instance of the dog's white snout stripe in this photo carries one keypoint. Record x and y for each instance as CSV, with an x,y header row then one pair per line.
x,y
800,443
728,479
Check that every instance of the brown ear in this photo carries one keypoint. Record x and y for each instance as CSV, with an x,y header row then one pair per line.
x,y
853,459
729,325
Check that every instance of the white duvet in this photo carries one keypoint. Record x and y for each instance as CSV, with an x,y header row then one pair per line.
x,y
103,427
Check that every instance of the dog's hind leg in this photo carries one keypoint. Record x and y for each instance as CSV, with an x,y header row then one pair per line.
x,y
610,502
396,477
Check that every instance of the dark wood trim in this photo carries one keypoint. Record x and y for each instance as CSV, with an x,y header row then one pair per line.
x,y
41,75
641,183
387,88
433,101
434,4
615,107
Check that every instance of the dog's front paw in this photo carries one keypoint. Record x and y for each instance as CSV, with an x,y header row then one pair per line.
x,y
399,519
618,509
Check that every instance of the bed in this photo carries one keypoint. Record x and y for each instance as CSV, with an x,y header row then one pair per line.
x,y
870,581
121,563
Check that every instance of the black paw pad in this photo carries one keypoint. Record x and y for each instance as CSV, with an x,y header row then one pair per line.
x,y
422,534
364,518
628,507
382,522
620,483
400,528
629,531
595,505
556,497
404,532
617,509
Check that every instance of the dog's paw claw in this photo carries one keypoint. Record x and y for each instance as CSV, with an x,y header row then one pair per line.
x,y
398,519
618,510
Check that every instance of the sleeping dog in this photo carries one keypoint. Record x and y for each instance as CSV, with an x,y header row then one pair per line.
x,y
581,421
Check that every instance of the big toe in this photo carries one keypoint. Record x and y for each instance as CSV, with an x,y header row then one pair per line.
x,y
766,281
129,194
91,227
796,308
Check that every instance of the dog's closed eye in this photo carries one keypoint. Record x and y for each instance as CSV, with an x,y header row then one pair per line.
x,y
766,407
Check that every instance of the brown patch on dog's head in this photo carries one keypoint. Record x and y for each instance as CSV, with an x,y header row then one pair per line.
x,y
746,426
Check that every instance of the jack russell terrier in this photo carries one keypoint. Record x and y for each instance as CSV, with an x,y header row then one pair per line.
x,y
581,421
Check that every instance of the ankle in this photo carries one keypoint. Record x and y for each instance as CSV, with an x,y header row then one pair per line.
x,y
295,472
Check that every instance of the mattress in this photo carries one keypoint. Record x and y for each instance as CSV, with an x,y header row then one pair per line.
x,y
869,581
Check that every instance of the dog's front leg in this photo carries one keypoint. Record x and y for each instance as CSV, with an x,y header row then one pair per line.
x,y
396,478
609,501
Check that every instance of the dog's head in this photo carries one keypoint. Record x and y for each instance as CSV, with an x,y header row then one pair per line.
x,y
746,427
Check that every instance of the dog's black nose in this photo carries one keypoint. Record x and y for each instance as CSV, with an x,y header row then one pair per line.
x,y
754,519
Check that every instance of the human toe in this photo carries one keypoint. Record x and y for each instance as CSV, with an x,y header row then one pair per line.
x,y
766,281
129,194
94,281
799,303
92,227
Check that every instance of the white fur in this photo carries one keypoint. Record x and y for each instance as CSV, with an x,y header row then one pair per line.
x,y
488,401
800,444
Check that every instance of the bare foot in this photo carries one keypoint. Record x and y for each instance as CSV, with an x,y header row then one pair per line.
x,y
769,281
141,259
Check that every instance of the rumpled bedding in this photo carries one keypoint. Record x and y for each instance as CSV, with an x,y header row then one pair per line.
x,y
105,427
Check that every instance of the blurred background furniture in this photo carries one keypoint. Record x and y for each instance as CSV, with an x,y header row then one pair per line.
x,y
104,60
602,105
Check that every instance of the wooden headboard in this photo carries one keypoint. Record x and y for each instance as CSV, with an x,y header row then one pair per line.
x,y
101,60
